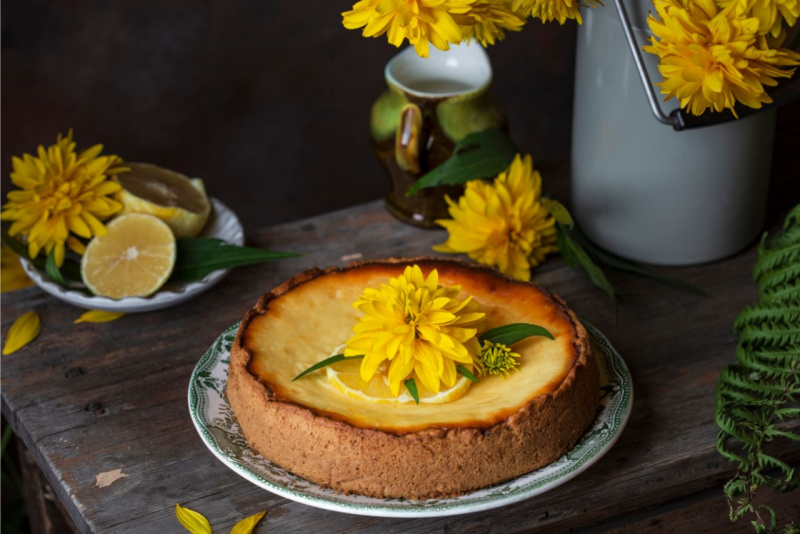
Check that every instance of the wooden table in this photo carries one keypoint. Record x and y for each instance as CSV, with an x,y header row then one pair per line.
x,y
89,399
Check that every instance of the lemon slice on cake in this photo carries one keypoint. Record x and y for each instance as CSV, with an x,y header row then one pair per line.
x,y
133,259
345,376
179,201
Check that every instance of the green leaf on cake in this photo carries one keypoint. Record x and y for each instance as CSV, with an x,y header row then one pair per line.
x,y
200,256
512,333
324,363
483,154
411,386
463,371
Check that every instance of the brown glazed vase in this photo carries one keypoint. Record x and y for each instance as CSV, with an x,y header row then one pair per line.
x,y
431,104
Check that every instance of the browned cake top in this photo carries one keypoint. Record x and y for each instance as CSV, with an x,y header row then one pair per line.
x,y
300,325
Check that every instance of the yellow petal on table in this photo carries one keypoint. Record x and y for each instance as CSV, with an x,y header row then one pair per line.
x,y
192,521
246,525
23,331
12,274
98,316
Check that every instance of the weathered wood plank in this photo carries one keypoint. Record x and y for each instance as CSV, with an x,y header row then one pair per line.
x,y
89,399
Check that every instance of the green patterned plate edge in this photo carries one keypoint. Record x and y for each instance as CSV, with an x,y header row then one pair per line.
x,y
217,427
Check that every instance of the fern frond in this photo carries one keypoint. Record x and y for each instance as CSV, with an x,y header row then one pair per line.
x,y
788,273
773,258
772,334
785,312
760,390
772,363
781,293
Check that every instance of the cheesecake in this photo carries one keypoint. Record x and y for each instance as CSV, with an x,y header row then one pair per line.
x,y
501,428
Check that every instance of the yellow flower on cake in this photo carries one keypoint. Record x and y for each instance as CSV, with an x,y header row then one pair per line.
x,y
414,328
547,10
503,223
62,195
711,58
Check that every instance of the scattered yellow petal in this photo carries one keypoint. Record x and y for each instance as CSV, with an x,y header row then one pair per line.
x,y
192,521
98,316
23,331
246,525
12,275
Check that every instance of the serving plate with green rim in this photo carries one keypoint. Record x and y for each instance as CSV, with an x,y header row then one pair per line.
x,y
217,426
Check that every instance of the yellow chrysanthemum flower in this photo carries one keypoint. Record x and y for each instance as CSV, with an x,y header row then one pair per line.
x,y
712,58
487,22
547,10
503,223
419,21
438,22
417,329
62,193
770,14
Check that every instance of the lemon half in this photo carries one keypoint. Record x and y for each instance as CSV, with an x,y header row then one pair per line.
x,y
133,259
345,376
179,201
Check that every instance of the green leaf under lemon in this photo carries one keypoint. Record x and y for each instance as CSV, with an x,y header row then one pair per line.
x,y
198,257
479,155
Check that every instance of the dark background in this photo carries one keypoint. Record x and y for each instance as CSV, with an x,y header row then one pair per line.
x,y
268,101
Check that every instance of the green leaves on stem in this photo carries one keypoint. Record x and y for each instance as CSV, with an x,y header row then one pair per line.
x,y
578,252
483,154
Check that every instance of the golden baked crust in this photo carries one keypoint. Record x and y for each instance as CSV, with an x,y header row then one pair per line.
x,y
340,452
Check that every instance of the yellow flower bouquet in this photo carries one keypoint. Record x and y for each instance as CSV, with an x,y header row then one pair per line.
x,y
712,54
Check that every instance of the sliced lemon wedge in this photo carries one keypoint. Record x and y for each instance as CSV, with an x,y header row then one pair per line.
x,y
345,376
179,201
133,259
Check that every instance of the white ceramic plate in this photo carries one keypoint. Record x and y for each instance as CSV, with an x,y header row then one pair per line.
x,y
223,224
217,426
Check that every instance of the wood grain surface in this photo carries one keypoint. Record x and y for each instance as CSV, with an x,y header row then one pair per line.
x,y
89,399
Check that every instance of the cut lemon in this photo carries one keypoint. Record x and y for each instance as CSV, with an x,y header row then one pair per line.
x,y
345,376
133,259
180,202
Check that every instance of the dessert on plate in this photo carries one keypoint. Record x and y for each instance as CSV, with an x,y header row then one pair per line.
x,y
421,403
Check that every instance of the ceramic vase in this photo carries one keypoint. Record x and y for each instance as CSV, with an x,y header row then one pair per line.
x,y
430,105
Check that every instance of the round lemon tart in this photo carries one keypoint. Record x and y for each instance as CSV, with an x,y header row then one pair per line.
x,y
500,428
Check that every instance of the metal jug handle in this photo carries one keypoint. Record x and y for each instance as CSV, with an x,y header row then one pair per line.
x,y
679,118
